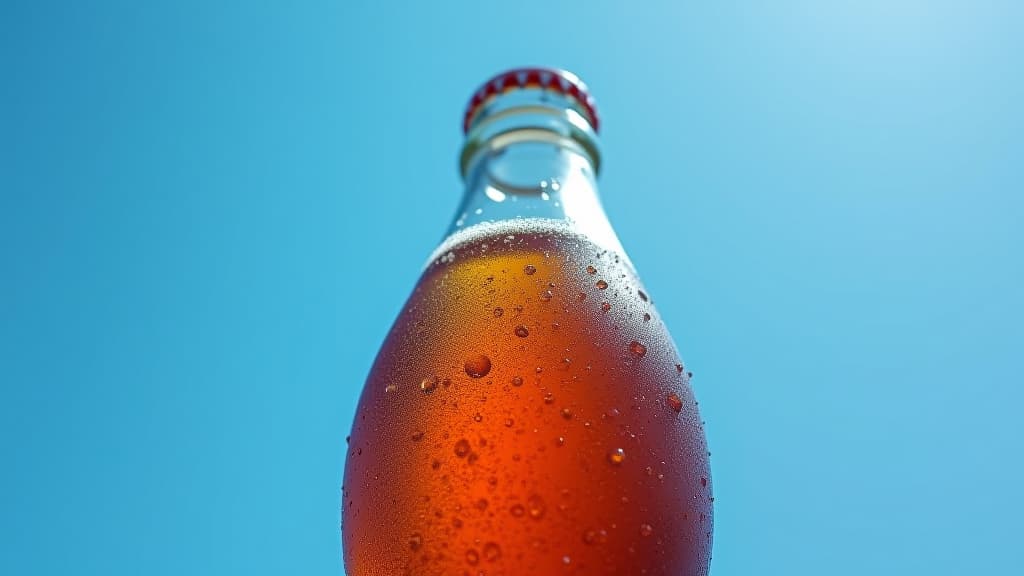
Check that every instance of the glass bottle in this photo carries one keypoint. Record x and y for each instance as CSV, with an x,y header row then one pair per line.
x,y
528,413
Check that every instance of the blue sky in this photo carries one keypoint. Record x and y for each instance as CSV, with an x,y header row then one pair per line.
x,y
210,214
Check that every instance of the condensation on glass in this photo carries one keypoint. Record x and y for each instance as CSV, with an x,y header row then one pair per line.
x,y
528,412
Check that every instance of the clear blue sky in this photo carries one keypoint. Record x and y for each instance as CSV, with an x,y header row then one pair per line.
x,y
211,212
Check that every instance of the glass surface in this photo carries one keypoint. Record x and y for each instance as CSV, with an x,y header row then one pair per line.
x,y
528,411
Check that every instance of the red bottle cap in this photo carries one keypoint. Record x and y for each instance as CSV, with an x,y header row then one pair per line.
x,y
560,81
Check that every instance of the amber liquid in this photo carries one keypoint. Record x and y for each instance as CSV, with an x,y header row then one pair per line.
x,y
527,415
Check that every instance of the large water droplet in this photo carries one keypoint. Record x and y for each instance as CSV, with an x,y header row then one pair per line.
x,y
591,270
492,551
472,557
567,413
509,422
462,448
674,402
530,269
478,366
517,381
536,507
637,349
429,384
617,456
601,284
498,311
646,530
549,398
521,331
642,295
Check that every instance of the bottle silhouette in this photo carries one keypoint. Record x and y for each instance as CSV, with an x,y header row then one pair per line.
x,y
528,413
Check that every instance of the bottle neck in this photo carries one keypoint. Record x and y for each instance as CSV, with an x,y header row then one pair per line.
x,y
534,171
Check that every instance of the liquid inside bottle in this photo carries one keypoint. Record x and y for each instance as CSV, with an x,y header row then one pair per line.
x,y
528,412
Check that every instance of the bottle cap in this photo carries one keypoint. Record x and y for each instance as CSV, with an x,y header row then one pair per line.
x,y
561,82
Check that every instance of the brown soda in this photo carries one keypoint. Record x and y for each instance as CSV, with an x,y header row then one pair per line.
x,y
528,414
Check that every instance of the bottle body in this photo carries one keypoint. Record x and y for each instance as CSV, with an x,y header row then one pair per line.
x,y
528,413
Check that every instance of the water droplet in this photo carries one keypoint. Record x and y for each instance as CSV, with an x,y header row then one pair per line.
x,y
478,417
647,317
417,436
617,456
601,284
536,507
429,384
498,311
482,503
606,306
436,464
567,413
521,331
679,368
472,557
637,349
674,402
517,510
703,481
517,381
545,295
560,441
462,448
530,269
646,530
591,537
591,270
478,366
642,295
566,560
415,541
492,551
549,398
614,413
538,369
391,388
509,422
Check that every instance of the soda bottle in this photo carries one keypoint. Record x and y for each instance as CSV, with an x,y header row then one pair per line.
x,y
528,413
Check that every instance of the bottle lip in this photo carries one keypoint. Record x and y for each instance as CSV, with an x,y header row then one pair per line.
x,y
560,81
